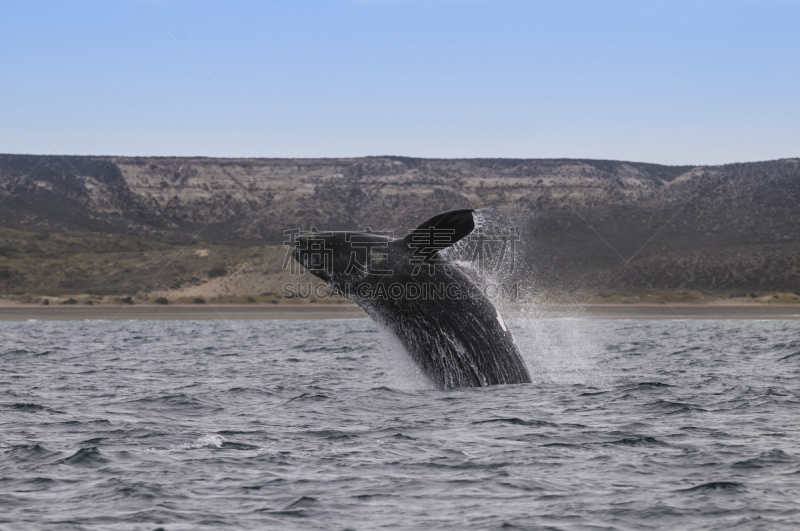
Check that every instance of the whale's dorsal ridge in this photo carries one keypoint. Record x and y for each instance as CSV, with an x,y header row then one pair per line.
x,y
454,225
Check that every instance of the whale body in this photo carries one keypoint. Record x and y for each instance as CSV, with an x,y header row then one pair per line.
x,y
448,326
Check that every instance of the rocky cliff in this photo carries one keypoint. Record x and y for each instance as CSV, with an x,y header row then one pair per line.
x,y
732,227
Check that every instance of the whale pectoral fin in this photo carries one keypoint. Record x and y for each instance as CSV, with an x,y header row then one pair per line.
x,y
443,230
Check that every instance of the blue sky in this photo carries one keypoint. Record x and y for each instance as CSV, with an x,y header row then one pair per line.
x,y
692,82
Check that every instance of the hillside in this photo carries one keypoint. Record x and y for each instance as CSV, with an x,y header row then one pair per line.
x,y
724,229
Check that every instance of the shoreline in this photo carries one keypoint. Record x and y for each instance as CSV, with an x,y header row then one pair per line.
x,y
179,312
235,312
672,311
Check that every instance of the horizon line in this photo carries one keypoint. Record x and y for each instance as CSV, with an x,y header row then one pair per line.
x,y
386,156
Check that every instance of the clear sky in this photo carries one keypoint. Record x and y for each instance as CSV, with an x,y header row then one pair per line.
x,y
670,81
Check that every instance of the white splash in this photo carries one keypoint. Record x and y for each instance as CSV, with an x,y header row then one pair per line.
x,y
401,371
500,320
206,441
561,350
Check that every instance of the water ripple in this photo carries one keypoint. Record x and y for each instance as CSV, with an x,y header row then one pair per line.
x,y
327,425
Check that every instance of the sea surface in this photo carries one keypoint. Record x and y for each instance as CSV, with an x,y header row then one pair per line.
x,y
671,424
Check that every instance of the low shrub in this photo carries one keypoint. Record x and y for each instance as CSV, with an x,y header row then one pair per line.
x,y
218,271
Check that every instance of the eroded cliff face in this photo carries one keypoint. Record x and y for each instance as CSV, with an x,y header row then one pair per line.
x,y
721,226
258,198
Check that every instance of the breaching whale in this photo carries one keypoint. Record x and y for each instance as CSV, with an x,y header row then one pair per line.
x,y
448,326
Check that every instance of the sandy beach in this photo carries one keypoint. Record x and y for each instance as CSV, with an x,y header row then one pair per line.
x,y
186,312
23,312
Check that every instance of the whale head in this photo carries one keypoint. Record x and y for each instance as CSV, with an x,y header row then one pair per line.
x,y
342,256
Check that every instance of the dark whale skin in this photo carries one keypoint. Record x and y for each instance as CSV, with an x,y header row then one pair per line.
x,y
458,340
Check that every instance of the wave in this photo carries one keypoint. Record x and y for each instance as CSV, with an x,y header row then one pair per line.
x,y
214,442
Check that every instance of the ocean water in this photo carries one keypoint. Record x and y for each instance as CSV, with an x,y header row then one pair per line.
x,y
629,424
